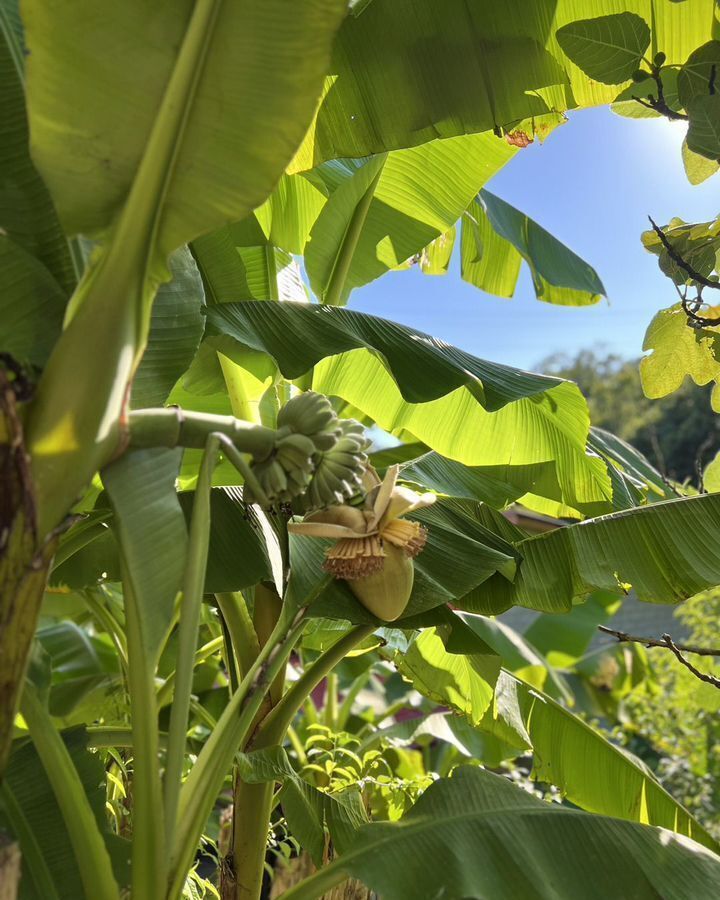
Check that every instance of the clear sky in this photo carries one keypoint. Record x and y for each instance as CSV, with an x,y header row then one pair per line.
x,y
592,184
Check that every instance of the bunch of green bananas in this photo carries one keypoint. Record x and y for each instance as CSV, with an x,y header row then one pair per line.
x,y
316,455
338,471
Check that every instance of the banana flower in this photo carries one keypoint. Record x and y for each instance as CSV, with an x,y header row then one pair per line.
x,y
374,547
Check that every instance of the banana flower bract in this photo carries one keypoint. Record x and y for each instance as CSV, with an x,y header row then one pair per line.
x,y
374,546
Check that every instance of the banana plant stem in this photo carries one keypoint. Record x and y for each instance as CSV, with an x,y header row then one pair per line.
x,y
238,622
165,691
331,700
252,803
190,606
274,726
255,801
148,847
88,845
234,726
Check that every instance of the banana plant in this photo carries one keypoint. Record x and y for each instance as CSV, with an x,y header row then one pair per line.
x,y
185,442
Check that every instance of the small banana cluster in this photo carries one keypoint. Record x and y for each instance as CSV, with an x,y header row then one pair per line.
x,y
338,471
316,455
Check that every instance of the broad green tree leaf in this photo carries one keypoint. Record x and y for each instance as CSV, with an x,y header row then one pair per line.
x,y
392,207
667,551
711,475
176,327
409,384
559,275
696,77
626,103
703,135
29,811
608,48
697,168
678,351
478,835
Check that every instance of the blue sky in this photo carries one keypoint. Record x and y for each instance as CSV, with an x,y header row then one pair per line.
x,y
592,184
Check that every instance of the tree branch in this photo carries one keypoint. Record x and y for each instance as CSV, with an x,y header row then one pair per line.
x,y
677,649
703,676
659,104
682,263
690,307
624,638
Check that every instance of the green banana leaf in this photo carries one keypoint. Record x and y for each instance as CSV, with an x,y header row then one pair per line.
x,y
238,262
176,327
467,409
478,835
589,770
559,275
29,811
227,570
498,486
32,305
26,211
81,663
392,207
151,531
409,71
239,106
667,551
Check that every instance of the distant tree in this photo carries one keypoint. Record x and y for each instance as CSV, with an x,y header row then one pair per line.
x,y
679,433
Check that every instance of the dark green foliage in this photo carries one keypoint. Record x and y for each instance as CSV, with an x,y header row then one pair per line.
x,y
28,808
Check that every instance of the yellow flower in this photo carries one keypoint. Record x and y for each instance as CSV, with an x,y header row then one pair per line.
x,y
374,547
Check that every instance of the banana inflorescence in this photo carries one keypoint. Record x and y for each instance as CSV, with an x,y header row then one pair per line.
x,y
317,456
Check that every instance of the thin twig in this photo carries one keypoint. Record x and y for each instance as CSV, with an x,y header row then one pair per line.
x,y
690,307
625,638
682,263
703,676
660,104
